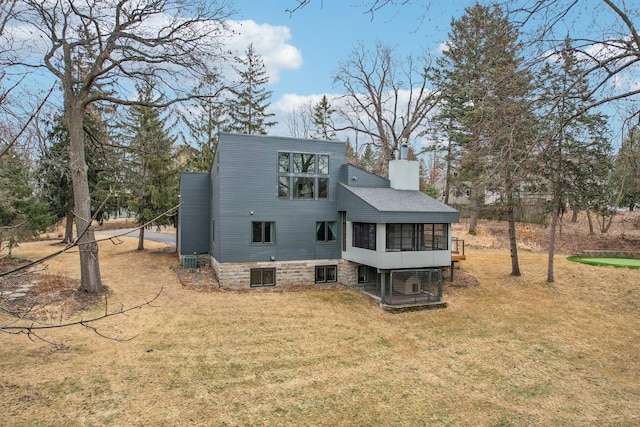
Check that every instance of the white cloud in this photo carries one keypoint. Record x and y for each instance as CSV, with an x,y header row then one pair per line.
x,y
288,105
442,47
290,101
271,42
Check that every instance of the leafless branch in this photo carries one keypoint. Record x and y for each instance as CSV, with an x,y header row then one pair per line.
x,y
146,224
24,127
369,9
613,53
73,244
299,5
33,329
385,98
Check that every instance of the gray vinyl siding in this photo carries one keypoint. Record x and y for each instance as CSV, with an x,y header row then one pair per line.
x,y
219,207
356,177
215,222
193,213
245,189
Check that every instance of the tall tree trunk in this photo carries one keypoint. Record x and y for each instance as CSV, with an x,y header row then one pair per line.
x,y
473,221
476,205
552,242
590,220
607,220
68,231
447,177
141,239
90,280
574,216
560,223
513,243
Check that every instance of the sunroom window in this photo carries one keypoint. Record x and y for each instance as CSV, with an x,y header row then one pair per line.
x,y
417,237
364,235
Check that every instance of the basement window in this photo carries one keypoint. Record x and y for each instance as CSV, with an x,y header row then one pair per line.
x,y
326,273
363,274
262,277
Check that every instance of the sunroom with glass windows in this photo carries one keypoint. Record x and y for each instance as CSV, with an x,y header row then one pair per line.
x,y
387,228
401,240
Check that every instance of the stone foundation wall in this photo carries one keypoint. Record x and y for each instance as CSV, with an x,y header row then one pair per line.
x,y
236,275
215,266
348,272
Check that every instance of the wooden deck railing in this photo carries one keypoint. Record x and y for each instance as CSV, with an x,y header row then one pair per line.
x,y
457,252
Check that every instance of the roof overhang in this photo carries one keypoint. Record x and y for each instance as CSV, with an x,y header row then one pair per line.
x,y
387,205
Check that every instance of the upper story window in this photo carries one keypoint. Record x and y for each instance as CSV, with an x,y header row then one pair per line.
x,y
326,231
303,176
263,232
283,162
304,163
417,237
303,187
323,164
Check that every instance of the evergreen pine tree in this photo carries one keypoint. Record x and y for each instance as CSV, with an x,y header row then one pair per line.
x,y
151,175
54,174
248,108
487,112
205,120
351,155
369,160
23,213
322,120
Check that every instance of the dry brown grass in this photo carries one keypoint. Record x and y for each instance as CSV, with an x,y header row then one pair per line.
x,y
512,351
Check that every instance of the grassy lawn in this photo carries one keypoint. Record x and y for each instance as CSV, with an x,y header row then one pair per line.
x,y
510,352
615,262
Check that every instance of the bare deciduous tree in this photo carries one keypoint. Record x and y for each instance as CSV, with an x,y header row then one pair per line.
x,y
23,323
608,44
370,7
299,121
385,98
98,50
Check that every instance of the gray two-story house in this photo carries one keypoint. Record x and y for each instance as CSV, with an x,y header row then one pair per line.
x,y
279,211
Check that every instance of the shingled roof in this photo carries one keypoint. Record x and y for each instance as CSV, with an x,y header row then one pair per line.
x,y
388,205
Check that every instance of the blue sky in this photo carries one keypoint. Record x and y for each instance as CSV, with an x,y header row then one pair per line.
x,y
302,51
